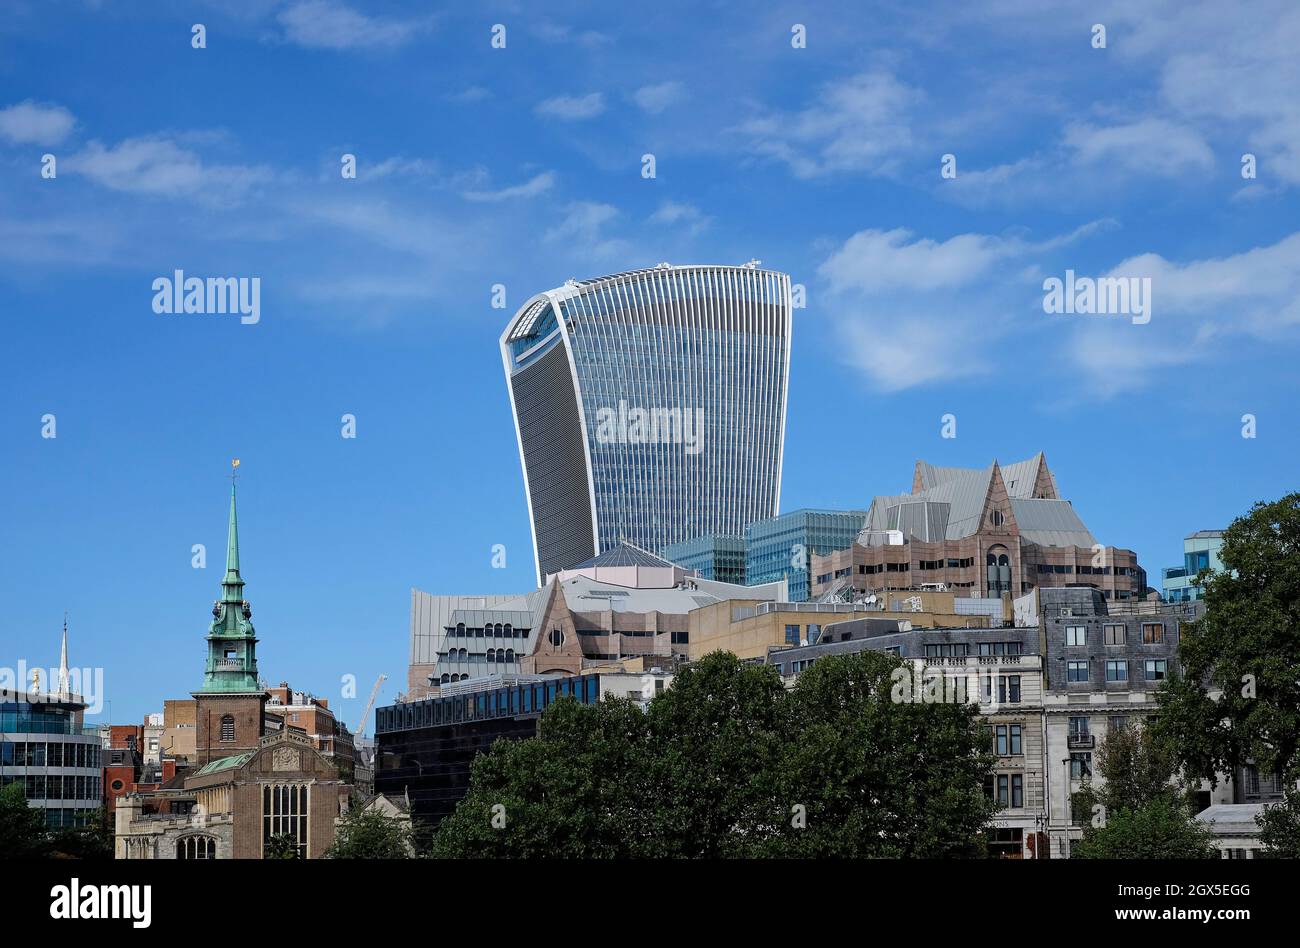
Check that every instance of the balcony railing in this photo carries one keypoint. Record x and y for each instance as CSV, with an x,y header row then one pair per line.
x,y
1085,741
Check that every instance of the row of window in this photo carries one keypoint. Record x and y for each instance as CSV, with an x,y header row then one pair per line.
x,y
1153,633
1153,669
1008,790
51,754
959,649
498,630
1005,740
23,717
516,699
1079,725
492,656
56,787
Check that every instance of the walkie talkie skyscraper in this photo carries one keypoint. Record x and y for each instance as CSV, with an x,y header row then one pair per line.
x,y
649,406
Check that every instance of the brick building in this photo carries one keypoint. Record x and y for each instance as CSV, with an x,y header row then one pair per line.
x,y
991,532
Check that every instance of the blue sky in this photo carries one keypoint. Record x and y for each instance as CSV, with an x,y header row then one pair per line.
x,y
522,166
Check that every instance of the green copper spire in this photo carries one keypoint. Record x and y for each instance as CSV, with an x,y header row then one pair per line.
x,y
232,644
232,586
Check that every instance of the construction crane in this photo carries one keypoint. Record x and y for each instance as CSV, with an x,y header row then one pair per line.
x,y
365,715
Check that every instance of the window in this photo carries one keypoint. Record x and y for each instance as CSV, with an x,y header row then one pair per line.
x,y
1116,723
1156,669
1078,728
1076,635
1153,633
460,628
814,633
791,635
1080,765
1076,671
1004,782
492,656
557,637
196,847
1015,740
1017,791
227,727
1115,634
1008,689
1001,745
284,812
1116,670
996,518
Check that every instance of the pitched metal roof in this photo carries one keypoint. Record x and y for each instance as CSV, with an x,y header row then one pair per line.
x,y
625,554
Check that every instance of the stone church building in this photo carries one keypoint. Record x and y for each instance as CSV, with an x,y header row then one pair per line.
x,y
252,787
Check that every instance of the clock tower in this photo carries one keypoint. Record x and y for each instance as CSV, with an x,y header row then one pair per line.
x,y
229,705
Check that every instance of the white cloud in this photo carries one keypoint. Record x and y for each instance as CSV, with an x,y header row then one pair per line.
x,y
538,184
674,213
1149,144
582,231
470,95
556,33
157,165
655,98
875,260
329,24
858,124
32,123
1197,310
568,108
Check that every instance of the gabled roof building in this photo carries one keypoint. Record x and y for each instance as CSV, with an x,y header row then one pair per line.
x,y
991,531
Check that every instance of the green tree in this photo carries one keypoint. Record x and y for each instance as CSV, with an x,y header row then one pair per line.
x,y
580,789
718,765
1238,697
282,846
879,772
1161,829
1140,811
22,828
1279,827
92,840
720,734
368,834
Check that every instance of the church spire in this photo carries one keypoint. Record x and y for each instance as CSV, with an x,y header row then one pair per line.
x,y
232,657
232,586
64,685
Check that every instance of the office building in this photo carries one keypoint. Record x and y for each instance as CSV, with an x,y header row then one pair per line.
x,y
1200,551
624,604
424,749
981,532
46,747
752,630
649,407
712,557
784,546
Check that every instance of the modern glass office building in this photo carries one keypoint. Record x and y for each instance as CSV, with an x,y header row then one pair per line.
x,y
649,406
783,546
712,557
1200,551
45,747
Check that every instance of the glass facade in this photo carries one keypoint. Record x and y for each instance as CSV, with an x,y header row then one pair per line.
x,y
650,407
1200,551
783,546
712,557
425,748
45,749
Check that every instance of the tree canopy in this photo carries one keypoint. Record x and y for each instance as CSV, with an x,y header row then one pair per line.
x,y
728,762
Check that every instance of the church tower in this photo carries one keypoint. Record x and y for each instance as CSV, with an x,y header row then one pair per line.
x,y
229,705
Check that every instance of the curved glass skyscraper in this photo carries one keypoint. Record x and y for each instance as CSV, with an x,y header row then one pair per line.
x,y
649,406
